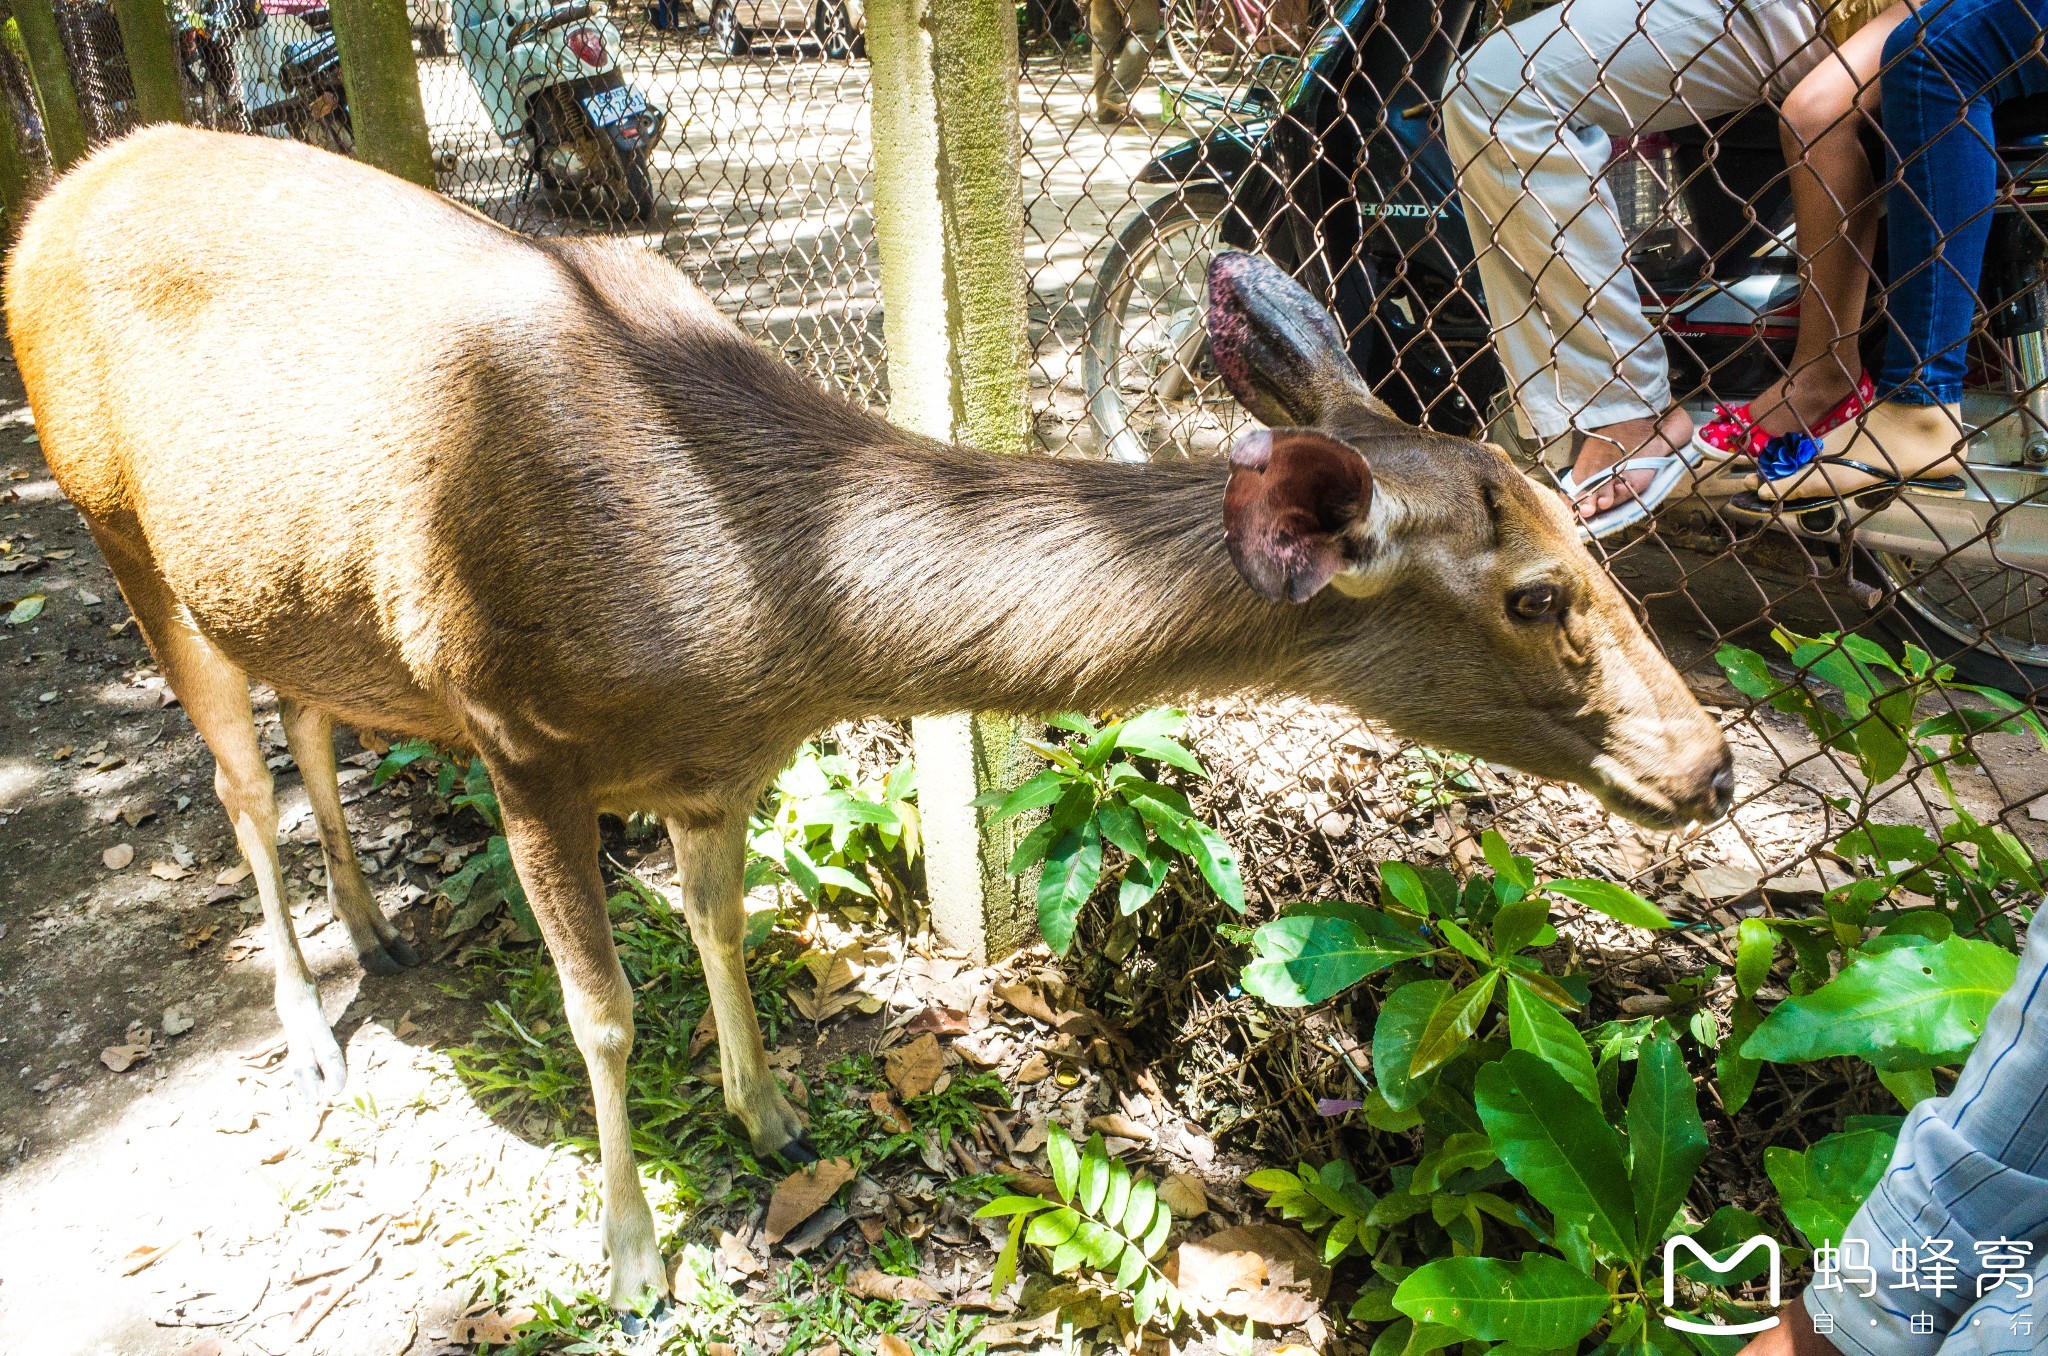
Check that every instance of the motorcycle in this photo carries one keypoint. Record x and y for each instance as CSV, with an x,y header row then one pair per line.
x,y
204,34
289,71
1332,165
550,79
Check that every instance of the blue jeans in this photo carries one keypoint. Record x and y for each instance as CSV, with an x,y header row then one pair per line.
x,y
1944,68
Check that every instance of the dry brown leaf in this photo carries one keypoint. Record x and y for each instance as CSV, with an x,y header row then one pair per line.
x,y
117,857
883,1105
889,1344
1721,881
1120,1125
1183,1195
802,1194
234,875
829,1349
122,1058
705,1032
177,1021
168,871
1026,999
872,1284
496,1327
147,1255
735,1255
915,1067
940,1021
721,1349
1266,1272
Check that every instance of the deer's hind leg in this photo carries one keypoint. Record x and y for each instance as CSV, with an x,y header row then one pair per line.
x,y
380,946
215,694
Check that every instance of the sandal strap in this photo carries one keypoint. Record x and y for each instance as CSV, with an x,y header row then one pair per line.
x,y
1576,490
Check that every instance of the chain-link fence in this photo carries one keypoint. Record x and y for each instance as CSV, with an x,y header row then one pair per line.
x,y
1692,237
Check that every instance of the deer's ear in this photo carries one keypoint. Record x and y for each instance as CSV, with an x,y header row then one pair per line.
x,y
1291,510
1279,352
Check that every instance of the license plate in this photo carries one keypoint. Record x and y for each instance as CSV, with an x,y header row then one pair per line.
x,y
610,107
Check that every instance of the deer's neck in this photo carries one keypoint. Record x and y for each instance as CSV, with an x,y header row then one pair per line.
x,y
1026,583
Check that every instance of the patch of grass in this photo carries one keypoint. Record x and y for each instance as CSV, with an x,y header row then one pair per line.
x,y
820,1308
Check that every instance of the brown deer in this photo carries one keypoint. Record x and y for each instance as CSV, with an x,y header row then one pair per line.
x,y
537,498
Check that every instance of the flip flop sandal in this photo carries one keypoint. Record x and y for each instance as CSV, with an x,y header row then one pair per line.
x,y
1753,505
1669,468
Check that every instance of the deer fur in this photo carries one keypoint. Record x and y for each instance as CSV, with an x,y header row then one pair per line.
x,y
537,498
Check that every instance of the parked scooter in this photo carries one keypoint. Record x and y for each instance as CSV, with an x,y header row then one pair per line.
x,y
205,36
1334,168
549,76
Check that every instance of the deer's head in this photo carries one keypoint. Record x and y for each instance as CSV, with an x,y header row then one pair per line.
x,y
1461,607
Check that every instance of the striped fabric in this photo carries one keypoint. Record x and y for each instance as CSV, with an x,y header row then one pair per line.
x,y
1971,1169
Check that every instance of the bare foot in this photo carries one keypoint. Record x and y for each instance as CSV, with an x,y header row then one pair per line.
x,y
1907,440
1615,443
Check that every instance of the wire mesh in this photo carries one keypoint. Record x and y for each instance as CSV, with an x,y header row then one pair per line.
x,y
1532,224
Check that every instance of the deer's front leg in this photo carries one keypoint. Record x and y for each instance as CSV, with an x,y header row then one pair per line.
x,y
553,837
711,866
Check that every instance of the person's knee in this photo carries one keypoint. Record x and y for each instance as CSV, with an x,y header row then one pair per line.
x,y
1914,47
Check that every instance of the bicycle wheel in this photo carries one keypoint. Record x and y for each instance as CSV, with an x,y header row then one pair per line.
x,y
1145,363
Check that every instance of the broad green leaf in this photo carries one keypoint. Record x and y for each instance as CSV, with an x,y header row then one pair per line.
x,y
1616,901
1141,880
1302,960
1064,1159
1218,864
1542,1301
1755,947
1560,1146
1466,1149
1071,872
1914,1007
1505,864
1129,1267
1011,1205
1043,789
1120,825
1139,1209
1517,924
1910,1086
1727,1229
1076,804
1667,1141
1823,1187
1164,749
1006,1262
26,609
1736,1071
1452,1023
1400,880
1396,1035
1538,1027
1099,1246
1094,1181
1053,1228
1463,942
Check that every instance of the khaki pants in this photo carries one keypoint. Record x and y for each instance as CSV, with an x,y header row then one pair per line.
x,y
1124,34
1527,119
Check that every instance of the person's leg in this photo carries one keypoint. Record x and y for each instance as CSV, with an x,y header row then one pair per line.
x,y
1143,24
1105,39
1945,66
1835,208
1527,118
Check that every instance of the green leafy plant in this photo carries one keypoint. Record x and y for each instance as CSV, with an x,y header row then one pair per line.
x,y
1097,795
1106,1219
487,879
1822,1188
828,833
1329,1200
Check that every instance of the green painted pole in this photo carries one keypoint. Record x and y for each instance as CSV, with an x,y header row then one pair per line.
x,y
63,128
152,50
383,81
949,233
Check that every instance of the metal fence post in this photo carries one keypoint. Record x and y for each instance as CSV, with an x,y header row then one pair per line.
x,y
63,128
383,82
152,51
949,228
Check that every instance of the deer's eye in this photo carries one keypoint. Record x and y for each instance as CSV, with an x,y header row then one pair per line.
x,y
1536,602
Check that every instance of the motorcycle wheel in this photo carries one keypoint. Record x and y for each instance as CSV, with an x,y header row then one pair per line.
x,y
726,34
1145,364
1990,621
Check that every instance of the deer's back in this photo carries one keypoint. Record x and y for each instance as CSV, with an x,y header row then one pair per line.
x,y
370,439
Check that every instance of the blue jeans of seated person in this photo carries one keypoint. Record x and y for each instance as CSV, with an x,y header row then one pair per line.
x,y
1945,67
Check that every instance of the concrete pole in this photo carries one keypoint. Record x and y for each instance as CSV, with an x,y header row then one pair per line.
x,y
63,128
152,51
383,81
949,231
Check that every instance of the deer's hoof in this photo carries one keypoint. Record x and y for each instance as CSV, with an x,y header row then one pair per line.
x,y
319,1070
391,958
401,951
798,1151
